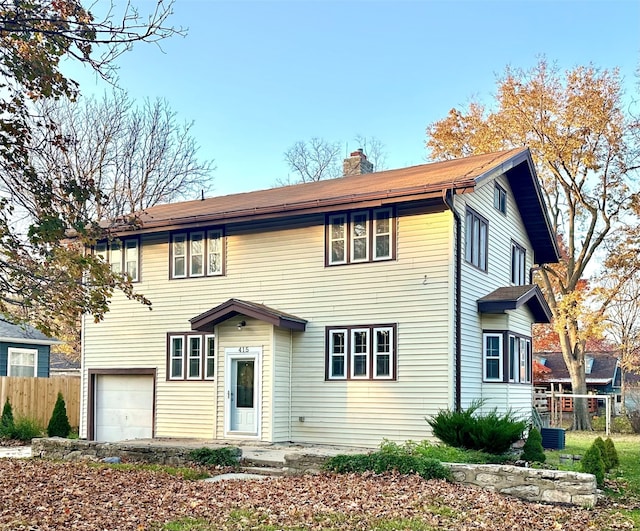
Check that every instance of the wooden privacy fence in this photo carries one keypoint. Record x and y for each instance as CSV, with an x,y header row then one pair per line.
x,y
35,397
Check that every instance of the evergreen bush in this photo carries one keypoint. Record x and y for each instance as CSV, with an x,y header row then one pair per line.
x,y
611,453
59,423
592,463
533,450
490,432
599,442
7,425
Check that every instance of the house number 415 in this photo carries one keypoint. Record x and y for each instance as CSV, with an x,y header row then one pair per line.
x,y
243,349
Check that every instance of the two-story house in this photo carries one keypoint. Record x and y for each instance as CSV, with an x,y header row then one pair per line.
x,y
342,311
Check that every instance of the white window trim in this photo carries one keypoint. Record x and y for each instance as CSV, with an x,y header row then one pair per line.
x,y
334,220
182,237
172,357
193,237
375,234
214,234
518,264
136,254
190,357
11,351
485,358
353,353
209,355
514,357
391,353
353,237
345,353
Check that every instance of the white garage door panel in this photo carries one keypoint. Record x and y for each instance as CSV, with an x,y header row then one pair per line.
x,y
124,407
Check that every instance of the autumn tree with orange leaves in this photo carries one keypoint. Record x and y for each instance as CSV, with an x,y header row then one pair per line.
x,y
585,146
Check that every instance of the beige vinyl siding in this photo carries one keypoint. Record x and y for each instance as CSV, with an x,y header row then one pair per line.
x,y
282,348
476,284
281,265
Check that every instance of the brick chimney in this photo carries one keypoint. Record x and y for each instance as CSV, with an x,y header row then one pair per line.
x,y
356,164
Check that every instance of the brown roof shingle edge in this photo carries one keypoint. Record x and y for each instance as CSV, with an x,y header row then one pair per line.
x,y
415,182
205,321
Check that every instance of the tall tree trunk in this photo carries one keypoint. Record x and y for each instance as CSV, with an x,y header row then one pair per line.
x,y
573,353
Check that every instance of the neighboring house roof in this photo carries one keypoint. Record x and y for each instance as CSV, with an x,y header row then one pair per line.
x,y
232,307
513,297
603,369
59,362
426,181
23,333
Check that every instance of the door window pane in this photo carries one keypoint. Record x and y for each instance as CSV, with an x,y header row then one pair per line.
x,y
244,383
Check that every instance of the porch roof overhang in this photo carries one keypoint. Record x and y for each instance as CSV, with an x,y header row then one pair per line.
x,y
205,321
514,297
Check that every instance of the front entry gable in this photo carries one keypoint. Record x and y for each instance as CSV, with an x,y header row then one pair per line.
x,y
207,320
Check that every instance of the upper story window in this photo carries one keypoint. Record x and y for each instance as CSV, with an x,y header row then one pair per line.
x,y
122,255
361,236
500,198
361,353
22,362
512,365
477,241
191,356
197,253
518,264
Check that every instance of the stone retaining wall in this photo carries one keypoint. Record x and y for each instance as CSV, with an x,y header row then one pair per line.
x,y
551,486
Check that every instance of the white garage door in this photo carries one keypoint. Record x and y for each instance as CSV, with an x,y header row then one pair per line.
x,y
124,407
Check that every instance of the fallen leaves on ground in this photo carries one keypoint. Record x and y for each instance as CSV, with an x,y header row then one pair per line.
x,y
45,495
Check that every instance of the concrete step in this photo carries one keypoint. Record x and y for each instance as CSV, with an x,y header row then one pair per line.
x,y
263,470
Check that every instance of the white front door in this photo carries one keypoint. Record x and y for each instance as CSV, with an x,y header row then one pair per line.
x,y
242,382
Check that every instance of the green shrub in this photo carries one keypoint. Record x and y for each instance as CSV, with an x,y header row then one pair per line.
x,y
533,450
7,425
27,428
622,424
390,457
592,463
599,442
224,456
491,432
59,423
449,454
611,453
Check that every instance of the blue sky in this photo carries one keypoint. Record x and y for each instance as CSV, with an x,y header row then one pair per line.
x,y
255,77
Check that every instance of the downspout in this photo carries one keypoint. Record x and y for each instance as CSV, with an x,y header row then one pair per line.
x,y
447,198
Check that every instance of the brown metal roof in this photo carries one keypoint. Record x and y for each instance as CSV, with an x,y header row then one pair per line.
x,y
206,321
513,297
426,180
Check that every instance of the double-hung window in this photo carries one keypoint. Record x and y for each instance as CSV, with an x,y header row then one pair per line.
x,y
360,236
493,357
197,254
123,256
517,361
22,362
477,240
361,353
518,264
191,356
